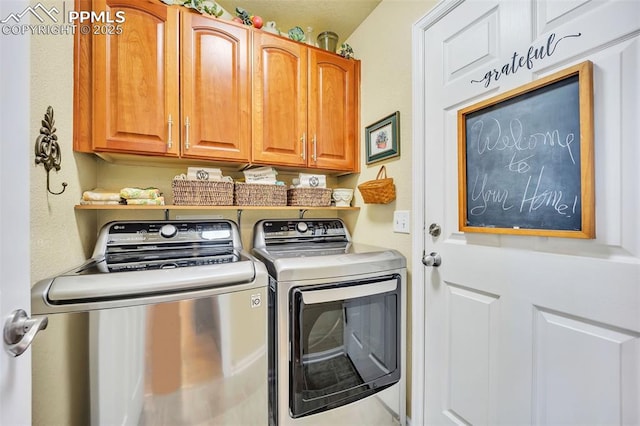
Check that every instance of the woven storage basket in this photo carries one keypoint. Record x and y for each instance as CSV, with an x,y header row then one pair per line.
x,y
378,191
202,193
256,194
310,197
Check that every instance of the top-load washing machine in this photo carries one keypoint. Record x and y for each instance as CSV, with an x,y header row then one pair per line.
x,y
165,325
337,330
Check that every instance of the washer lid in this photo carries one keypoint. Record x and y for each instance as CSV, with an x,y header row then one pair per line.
x,y
79,287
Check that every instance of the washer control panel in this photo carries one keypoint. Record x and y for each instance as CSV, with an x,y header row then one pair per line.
x,y
129,245
163,232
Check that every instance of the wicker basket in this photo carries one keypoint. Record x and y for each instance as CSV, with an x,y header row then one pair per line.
x,y
378,191
310,197
256,194
202,193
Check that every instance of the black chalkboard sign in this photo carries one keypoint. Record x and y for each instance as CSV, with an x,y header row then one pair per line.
x,y
526,159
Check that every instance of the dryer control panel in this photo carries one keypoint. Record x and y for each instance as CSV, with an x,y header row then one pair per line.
x,y
297,231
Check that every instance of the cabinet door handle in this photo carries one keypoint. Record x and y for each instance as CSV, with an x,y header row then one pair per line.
x,y
314,156
187,124
169,140
303,141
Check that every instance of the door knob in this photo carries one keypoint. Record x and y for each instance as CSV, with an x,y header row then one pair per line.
x,y
433,259
20,330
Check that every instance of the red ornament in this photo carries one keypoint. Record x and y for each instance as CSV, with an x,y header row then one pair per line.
x,y
257,22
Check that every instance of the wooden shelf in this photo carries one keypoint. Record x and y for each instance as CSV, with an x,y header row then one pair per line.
x,y
239,209
174,207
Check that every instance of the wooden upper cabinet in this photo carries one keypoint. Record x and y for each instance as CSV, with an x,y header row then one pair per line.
x,y
279,101
215,86
135,80
333,111
305,106
143,105
174,83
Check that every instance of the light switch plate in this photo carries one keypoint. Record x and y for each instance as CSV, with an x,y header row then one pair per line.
x,y
401,221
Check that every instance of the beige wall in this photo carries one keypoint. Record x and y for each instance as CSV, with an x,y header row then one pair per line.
x,y
383,43
60,239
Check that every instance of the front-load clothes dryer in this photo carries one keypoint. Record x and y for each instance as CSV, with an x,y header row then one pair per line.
x,y
337,329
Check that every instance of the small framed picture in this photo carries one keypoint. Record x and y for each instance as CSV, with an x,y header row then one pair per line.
x,y
382,139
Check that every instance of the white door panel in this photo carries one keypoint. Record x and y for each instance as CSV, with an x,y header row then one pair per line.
x,y
15,373
471,46
473,324
570,351
613,19
518,329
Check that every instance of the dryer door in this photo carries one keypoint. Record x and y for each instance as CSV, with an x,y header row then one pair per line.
x,y
345,342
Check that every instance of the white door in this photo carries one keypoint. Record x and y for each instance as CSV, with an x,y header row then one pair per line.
x,y
527,329
15,147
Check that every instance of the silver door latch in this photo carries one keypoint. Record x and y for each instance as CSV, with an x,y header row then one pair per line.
x,y
20,330
433,259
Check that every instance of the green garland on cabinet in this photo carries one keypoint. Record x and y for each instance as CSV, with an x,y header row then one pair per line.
x,y
202,6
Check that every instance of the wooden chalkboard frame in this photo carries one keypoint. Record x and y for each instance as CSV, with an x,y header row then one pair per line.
x,y
584,73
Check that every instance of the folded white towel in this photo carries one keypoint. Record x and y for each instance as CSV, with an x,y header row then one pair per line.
x,y
312,181
264,175
100,203
99,194
159,201
184,177
201,173
136,193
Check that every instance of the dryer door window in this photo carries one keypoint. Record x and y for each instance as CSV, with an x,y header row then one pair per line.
x,y
345,343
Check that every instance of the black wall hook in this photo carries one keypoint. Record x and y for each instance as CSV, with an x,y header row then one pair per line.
x,y
47,148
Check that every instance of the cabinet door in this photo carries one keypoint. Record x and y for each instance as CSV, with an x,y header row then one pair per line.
x,y
280,101
333,114
135,76
215,89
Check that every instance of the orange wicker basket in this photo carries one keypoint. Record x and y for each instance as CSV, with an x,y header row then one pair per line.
x,y
378,191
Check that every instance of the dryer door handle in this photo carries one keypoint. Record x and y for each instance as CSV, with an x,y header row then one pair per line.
x,y
311,297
